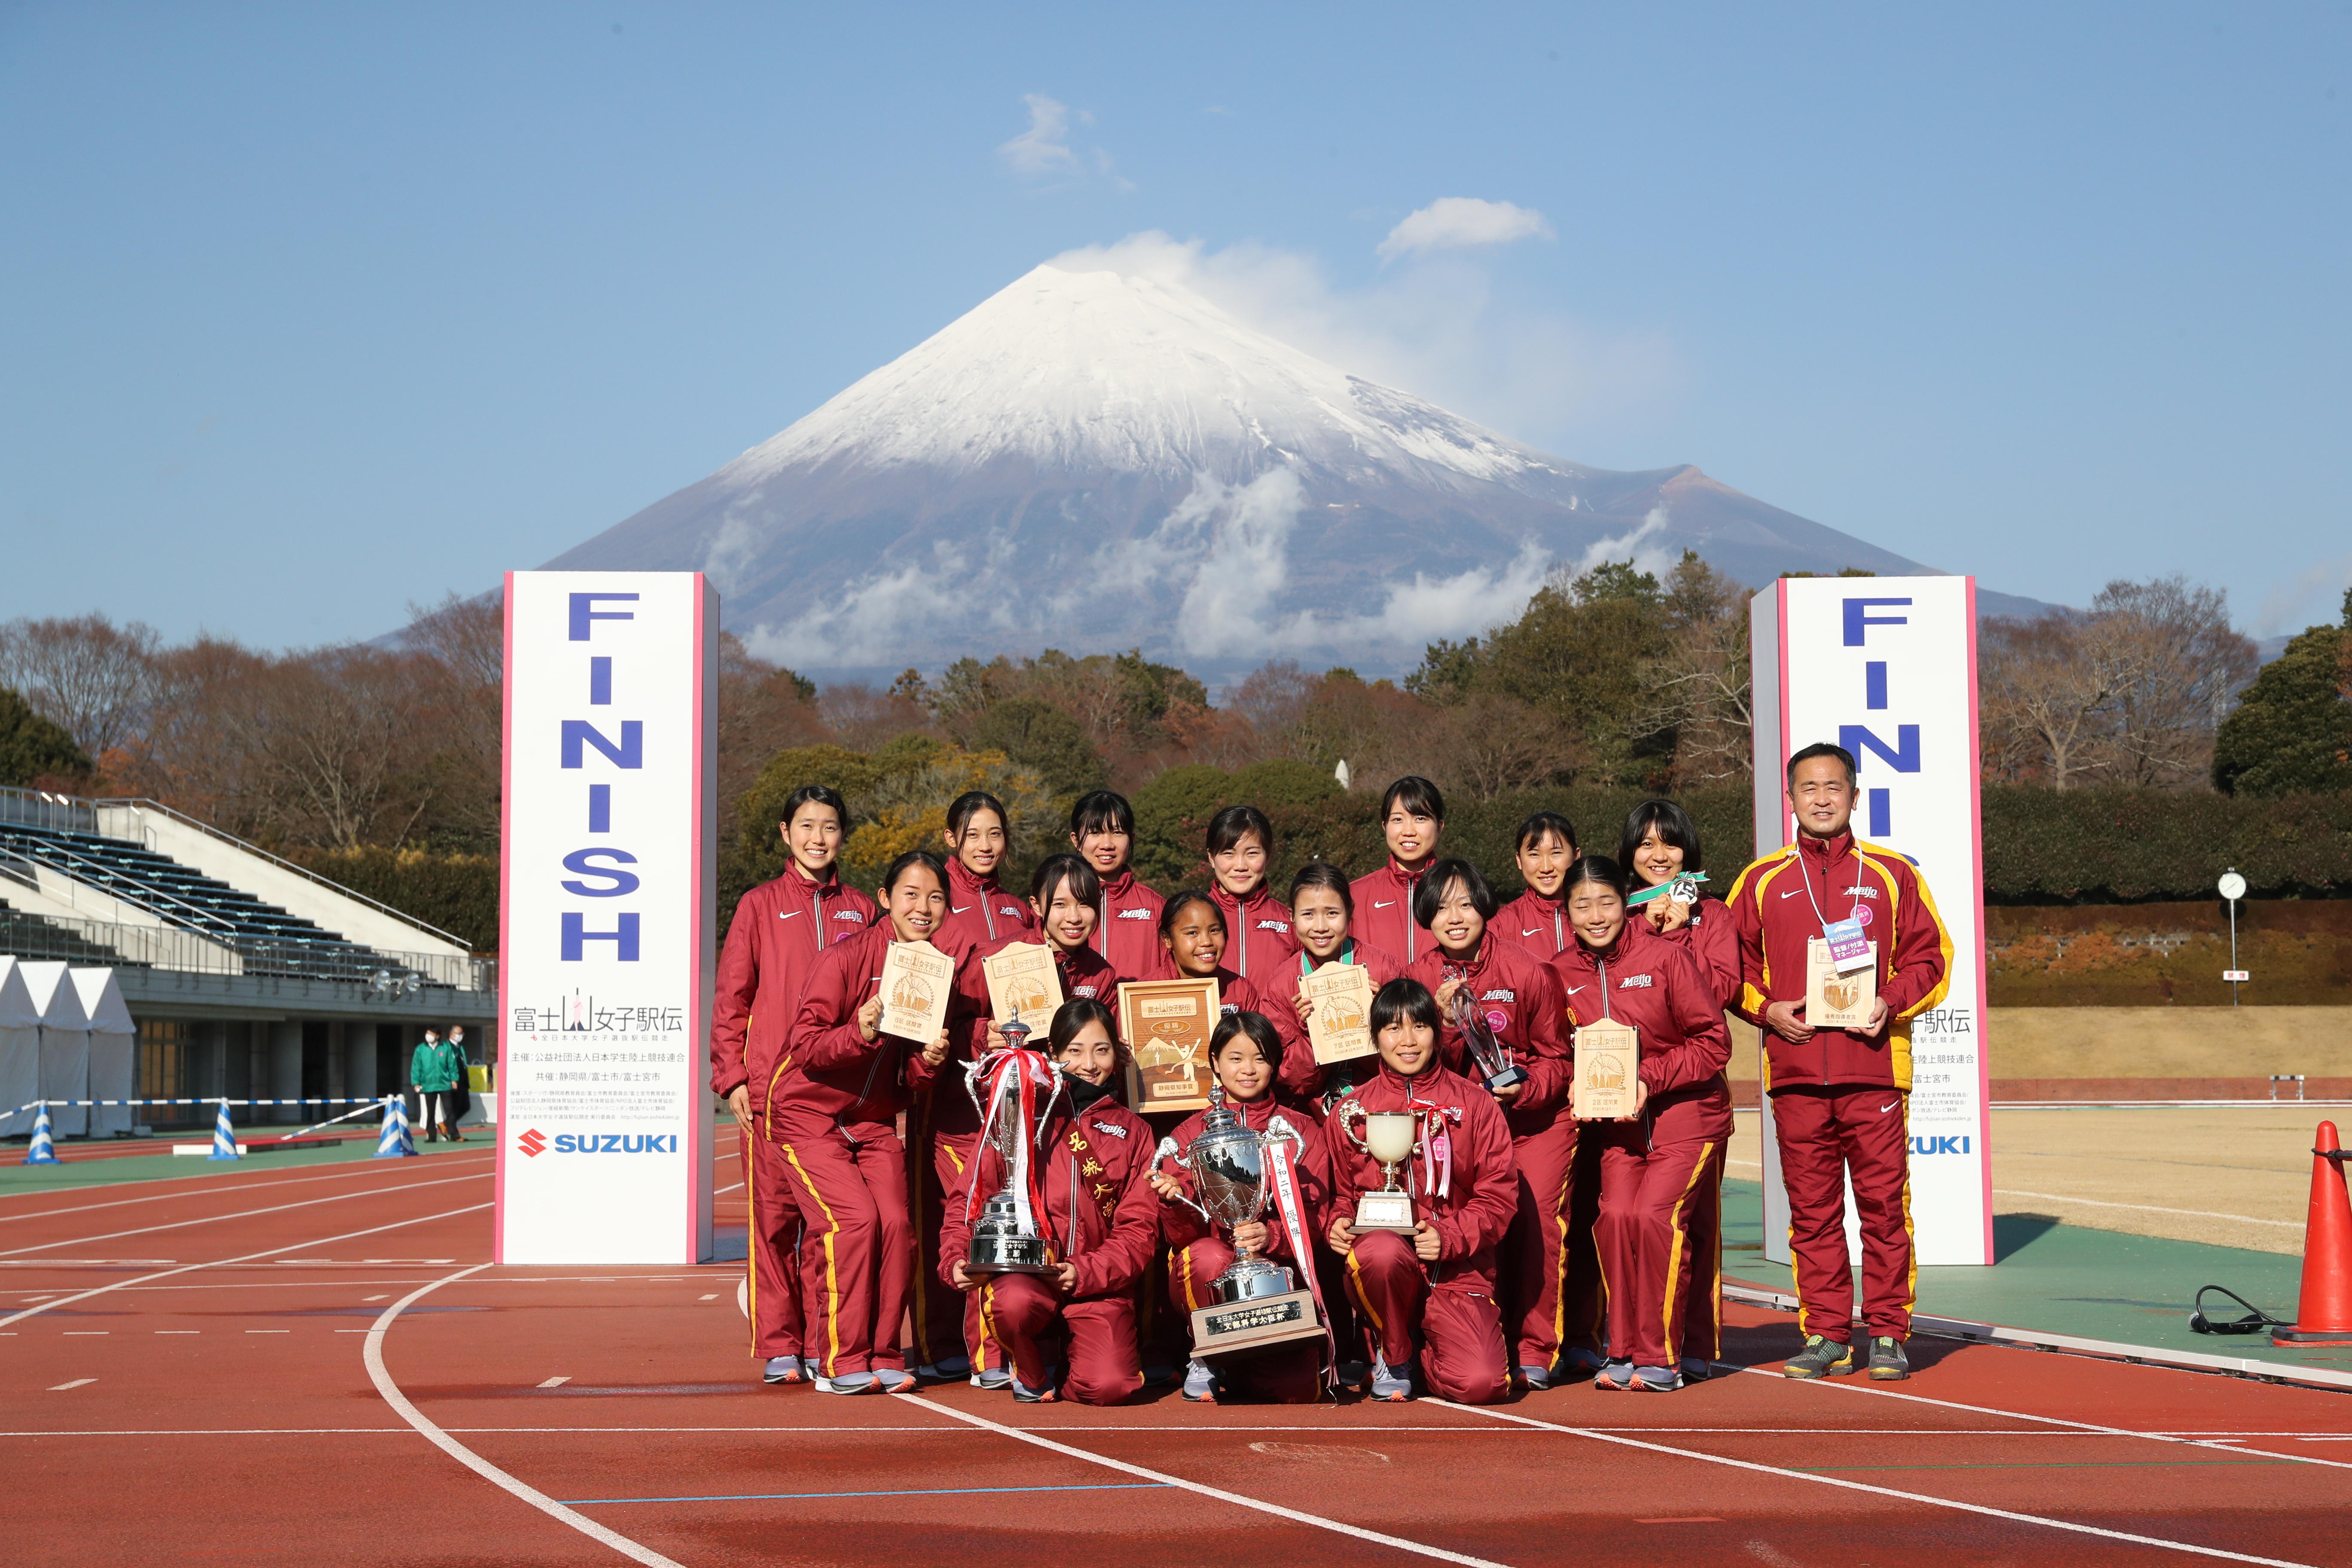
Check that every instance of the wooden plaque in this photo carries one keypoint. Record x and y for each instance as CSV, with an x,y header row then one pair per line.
x,y
1340,1027
1834,1001
1608,1065
1253,1324
918,981
1167,1024
1023,984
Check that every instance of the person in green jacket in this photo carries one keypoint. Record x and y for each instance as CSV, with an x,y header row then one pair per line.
x,y
434,1068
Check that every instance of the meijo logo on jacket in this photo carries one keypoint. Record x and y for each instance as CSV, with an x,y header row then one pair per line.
x,y
1134,914
1630,981
1503,996
534,1142
850,915
1274,925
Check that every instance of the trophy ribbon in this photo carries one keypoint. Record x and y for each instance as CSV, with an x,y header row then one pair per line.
x,y
1437,1144
1280,1154
1029,1073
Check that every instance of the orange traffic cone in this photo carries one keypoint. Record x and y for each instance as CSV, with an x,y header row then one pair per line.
x,y
2322,1314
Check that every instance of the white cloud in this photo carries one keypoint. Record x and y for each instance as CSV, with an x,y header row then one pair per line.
x,y
1640,547
1045,147
2311,596
1462,223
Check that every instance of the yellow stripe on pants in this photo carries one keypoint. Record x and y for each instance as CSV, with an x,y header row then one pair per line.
x,y
832,1277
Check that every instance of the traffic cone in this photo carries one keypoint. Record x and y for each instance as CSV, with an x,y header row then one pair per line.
x,y
43,1149
2323,1313
393,1142
224,1137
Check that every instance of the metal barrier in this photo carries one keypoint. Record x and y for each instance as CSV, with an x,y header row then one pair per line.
x,y
39,809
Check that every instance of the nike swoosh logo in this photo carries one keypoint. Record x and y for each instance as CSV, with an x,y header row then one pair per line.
x,y
1888,1106
1383,906
1796,894
1531,931
1574,989
789,914
960,909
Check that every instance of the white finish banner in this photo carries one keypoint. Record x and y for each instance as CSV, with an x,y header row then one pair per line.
x,y
607,881
1887,666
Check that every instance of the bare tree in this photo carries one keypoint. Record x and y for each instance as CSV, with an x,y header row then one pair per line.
x,y
1698,687
2179,666
1491,744
2046,685
92,678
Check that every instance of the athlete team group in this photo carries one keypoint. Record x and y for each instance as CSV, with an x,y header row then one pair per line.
x,y
1545,1249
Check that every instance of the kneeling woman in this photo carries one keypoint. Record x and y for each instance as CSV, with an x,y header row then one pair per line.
x,y
1093,1161
1659,1232
1427,1296
1246,1055
833,1117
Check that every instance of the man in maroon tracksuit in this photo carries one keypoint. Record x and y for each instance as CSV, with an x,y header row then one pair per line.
x,y
1127,933
1841,1097
780,929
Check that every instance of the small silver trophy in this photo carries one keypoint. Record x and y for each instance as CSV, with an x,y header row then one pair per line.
x,y
1389,1136
1494,1058
1000,1242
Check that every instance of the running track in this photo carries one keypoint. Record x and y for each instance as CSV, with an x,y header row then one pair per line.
x,y
319,1365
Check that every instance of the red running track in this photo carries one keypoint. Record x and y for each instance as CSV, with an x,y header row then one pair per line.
x,y
286,1369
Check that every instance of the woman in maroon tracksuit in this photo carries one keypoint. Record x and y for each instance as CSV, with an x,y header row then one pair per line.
x,y
1322,915
1192,946
1662,1168
1660,842
941,1124
1259,944
1412,819
1512,994
1246,1052
1127,928
1545,848
1427,1297
832,1116
1095,1159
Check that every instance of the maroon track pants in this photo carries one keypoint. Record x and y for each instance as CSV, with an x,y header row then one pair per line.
x,y
1823,1133
1024,1314
1453,1331
1289,1374
1548,1298
1661,1239
857,1261
771,1256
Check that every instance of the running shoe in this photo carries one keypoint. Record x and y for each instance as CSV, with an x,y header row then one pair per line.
x,y
1654,1380
1614,1377
1887,1361
996,1380
894,1379
1200,1383
1025,1394
847,1382
1534,1378
1355,1375
1392,1387
945,1371
781,1369
1820,1358
1578,1361
1696,1369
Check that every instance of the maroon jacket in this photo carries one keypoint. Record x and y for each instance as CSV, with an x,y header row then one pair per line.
x,y
1181,1224
1110,1256
981,911
1509,981
1084,974
781,929
1258,939
1775,921
1302,1075
1654,984
1383,911
1483,1192
1711,939
826,1065
1128,932
1535,922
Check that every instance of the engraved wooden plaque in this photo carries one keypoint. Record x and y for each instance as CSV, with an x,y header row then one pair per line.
x,y
1253,1324
1167,1024
918,982
1340,1027
1023,984
1608,1065
1834,1001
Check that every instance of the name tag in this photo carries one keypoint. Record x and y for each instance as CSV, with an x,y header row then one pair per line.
x,y
1849,949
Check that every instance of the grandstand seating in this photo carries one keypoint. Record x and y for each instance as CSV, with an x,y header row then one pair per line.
x,y
30,936
268,939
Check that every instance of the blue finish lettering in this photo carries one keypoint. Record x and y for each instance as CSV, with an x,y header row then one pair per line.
x,y
1902,756
600,681
585,610
599,808
1874,684
580,734
577,936
1858,616
584,862
1882,818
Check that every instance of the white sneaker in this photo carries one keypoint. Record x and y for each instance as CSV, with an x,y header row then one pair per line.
x,y
1200,1382
781,1369
995,1380
1394,1387
847,1382
892,1379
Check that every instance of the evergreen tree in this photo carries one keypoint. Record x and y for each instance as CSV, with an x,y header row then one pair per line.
x,y
31,747
2293,728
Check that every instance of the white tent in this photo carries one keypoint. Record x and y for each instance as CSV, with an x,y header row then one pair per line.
x,y
114,1049
20,1048
64,1045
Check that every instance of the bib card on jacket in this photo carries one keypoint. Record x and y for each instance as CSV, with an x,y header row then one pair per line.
x,y
1834,1001
918,980
1608,1065
1023,984
1167,1024
1340,1027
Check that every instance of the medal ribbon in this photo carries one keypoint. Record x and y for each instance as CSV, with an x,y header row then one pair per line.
x,y
1437,1145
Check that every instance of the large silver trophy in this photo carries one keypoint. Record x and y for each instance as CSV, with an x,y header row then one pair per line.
x,y
1002,1242
1258,1303
1494,1058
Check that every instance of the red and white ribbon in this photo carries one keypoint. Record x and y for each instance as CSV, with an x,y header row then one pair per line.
x,y
1027,1082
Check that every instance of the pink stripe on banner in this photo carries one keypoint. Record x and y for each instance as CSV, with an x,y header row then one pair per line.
x,y
1788,741
506,946
1975,840
697,928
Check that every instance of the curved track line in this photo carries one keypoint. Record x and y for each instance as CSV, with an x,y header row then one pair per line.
x,y
226,1180
2015,1517
248,1214
373,1353
1259,1504
218,1262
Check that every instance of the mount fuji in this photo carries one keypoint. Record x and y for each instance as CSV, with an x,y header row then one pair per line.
x,y
1092,461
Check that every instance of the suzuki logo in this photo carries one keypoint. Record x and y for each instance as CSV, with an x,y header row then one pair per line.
x,y
531,1143
1940,1143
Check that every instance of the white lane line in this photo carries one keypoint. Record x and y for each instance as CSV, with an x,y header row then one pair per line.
x,y
1839,1481
1258,1504
179,1331
724,1191
88,1333
382,1296
556,1382
2088,1426
77,1383
272,1252
373,1355
248,1214
162,1197
269,1331
712,1297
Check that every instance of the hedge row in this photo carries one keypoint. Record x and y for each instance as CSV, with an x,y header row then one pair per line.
x,y
2132,846
458,893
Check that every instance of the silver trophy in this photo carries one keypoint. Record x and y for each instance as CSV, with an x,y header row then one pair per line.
x,y
1000,1242
1494,1058
1228,1164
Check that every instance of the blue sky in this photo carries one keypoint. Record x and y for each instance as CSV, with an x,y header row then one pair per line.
x,y
311,312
